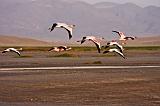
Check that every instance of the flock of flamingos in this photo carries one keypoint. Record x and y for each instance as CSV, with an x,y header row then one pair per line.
x,y
96,40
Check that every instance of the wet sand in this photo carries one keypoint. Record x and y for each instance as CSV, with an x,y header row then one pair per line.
x,y
94,87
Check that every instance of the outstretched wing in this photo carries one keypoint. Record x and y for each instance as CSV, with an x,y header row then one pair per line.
x,y
116,31
4,51
119,47
51,49
16,51
132,38
121,34
69,30
97,45
118,52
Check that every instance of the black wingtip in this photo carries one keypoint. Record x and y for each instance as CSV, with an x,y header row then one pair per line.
x,y
4,51
121,51
115,31
51,30
82,41
123,56
50,49
105,52
99,51
106,46
70,37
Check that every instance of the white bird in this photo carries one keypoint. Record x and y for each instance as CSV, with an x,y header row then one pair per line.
x,y
12,50
69,28
116,51
60,48
114,43
123,37
94,39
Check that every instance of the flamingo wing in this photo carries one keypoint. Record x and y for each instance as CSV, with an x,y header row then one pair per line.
x,y
118,52
69,30
16,51
51,49
97,45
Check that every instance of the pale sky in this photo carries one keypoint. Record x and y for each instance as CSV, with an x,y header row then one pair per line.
x,y
142,3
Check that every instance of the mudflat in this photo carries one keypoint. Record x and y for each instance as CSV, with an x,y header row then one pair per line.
x,y
72,87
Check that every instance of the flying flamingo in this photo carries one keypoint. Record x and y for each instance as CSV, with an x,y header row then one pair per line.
x,y
12,50
67,27
115,43
116,51
60,48
93,39
123,37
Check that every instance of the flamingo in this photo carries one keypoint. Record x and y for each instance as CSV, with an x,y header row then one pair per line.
x,y
67,27
12,50
60,48
113,42
94,39
116,51
123,37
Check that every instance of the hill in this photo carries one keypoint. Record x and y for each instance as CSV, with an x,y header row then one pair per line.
x,y
145,41
22,41
33,17
19,41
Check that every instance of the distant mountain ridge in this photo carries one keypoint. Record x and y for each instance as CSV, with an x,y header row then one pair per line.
x,y
105,4
21,41
33,17
12,41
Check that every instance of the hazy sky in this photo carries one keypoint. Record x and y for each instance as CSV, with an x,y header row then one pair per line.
x,y
142,3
